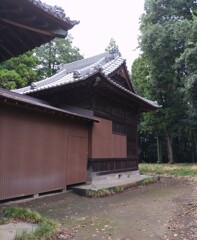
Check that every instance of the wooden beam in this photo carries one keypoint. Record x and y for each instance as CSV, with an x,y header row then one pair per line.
x,y
26,27
3,47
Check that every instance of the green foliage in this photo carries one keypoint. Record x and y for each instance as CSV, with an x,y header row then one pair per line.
x,y
54,53
19,72
147,181
23,214
141,76
168,169
186,65
45,229
42,232
39,63
99,193
167,35
103,192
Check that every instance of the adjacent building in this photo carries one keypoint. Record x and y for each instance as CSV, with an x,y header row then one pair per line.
x,y
71,127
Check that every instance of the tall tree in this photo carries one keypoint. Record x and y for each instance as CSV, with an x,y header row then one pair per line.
x,y
39,63
54,53
164,36
186,65
150,129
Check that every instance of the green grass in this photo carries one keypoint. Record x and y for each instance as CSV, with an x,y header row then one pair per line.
x,y
23,214
189,170
147,181
45,229
103,192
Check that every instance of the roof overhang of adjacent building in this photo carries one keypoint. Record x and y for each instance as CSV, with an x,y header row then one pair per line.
x,y
26,24
8,97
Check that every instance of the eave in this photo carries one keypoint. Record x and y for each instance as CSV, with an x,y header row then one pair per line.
x,y
26,24
8,97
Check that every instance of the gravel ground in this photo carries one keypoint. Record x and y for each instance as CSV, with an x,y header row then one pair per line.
x,y
165,210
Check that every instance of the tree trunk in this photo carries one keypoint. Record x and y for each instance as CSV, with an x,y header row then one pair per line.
x,y
159,150
170,149
195,147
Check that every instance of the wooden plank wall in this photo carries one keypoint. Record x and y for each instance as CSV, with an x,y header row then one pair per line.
x,y
34,152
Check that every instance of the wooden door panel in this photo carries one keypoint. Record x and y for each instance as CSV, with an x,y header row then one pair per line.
x,y
77,160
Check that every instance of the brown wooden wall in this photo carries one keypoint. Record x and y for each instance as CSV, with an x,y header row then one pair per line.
x,y
36,150
105,144
108,151
112,142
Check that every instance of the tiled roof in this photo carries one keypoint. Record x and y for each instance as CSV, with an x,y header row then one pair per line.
x,y
106,63
7,96
56,11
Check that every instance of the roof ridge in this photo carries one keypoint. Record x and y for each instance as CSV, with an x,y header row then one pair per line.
x,y
82,61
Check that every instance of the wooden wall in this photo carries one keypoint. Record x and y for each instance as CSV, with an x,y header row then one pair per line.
x,y
112,142
36,150
105,144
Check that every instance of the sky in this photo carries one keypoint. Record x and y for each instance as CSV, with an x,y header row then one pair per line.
x,y
101,20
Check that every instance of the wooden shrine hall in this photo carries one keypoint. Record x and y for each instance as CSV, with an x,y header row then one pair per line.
x,y
69,128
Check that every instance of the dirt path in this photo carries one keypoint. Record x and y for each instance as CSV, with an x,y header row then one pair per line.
x,y
161,211
183,224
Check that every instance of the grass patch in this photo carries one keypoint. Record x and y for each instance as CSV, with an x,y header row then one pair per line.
x,y
45,229
103,192
23,214
147,181
189,170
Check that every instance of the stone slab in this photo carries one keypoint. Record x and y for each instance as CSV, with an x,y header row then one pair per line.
x,y
109,183
9,231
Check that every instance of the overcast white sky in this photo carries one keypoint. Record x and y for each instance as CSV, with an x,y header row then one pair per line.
x,y
101,20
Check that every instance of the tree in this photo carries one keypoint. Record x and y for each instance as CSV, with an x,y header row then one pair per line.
x,y
54,53
19,71
112,44
186,65
164,37
150,130
39,63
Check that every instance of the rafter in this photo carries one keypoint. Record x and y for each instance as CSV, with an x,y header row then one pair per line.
x,y
26,27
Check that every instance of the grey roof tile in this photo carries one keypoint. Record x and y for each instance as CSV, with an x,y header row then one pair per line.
x,y
56,11
85,67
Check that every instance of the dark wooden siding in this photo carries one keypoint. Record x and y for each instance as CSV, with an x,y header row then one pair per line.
x,y
122,124
34,152
124,119
102,166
